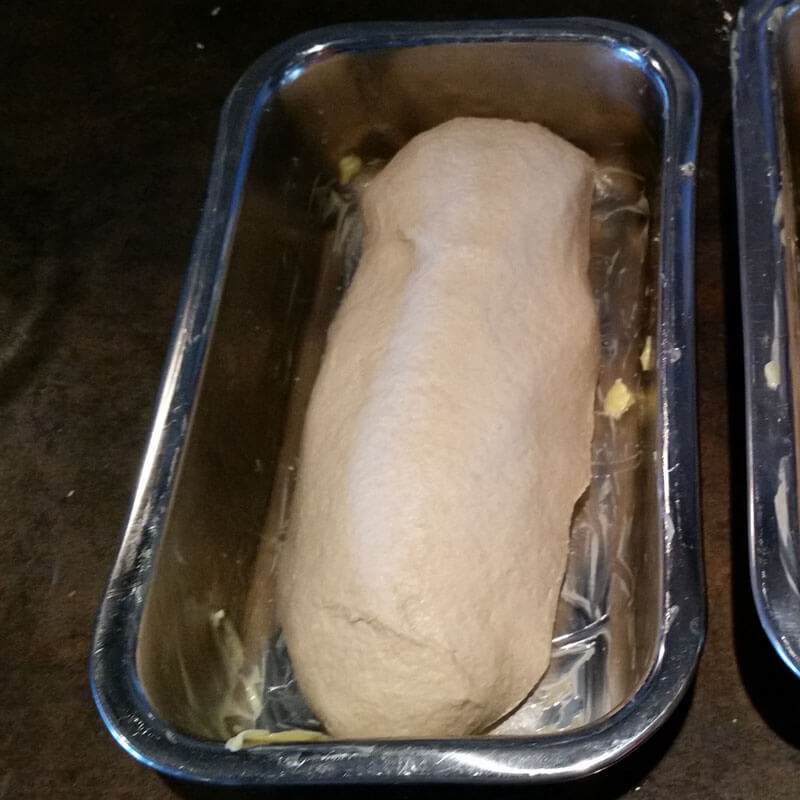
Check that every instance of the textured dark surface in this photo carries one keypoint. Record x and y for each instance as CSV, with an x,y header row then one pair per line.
x,y
107,120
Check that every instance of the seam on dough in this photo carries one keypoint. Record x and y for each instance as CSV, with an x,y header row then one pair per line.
x,y
462,670
354,617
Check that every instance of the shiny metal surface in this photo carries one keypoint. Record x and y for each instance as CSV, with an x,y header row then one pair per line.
x,y
187,606
765,65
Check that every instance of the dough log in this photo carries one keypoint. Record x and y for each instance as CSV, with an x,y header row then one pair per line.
x,y
447,438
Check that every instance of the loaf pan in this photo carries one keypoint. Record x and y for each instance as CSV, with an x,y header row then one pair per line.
x,y
182,656
765,68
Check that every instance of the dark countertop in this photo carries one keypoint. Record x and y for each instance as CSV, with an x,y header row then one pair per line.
x,y
108,120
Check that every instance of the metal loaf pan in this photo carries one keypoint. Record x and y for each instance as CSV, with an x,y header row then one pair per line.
x,y
765,66
177,617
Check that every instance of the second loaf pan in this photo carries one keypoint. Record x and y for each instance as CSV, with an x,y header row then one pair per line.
x,y
765,68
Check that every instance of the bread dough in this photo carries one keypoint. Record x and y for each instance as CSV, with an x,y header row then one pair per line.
x,y
447,438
